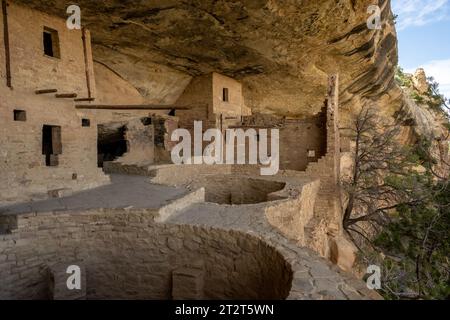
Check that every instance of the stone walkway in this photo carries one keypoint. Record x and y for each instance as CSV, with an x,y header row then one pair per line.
x,y
223,216
314,277
124,192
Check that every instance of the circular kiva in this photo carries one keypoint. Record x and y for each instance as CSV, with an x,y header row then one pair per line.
x,y
127,256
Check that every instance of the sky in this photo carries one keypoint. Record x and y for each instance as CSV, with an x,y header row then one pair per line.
x,y
423,28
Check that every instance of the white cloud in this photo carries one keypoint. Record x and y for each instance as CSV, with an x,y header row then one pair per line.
x,y
416,13
440,71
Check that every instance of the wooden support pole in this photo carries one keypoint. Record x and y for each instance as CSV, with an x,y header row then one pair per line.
x,y
333,137
86,62
6,42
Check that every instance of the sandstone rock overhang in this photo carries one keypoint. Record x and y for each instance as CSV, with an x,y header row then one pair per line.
x,y
282,51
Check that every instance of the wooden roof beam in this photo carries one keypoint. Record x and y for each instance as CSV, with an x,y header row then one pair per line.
x,y
46,91
66,95
130,107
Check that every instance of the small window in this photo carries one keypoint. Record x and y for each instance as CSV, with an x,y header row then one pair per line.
x,y
85,122
146,121
51,43
51,145
20,115
226,96
311,153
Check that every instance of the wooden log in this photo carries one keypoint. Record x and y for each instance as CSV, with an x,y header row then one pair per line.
x,y
86,62
7,44
252,127
131,107
45,91
84,99
66,95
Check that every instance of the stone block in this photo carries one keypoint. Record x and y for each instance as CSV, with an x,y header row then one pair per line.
x,y
187,284
342,253
60,193
53,160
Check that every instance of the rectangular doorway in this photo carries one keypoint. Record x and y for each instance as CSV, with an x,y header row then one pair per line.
x,y
51,144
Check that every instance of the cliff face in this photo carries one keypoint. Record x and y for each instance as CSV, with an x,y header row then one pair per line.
x,y
282,50
423,118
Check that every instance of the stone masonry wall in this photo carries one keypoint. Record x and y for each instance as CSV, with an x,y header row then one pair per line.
x,y
327,223
235,104
286,201
185,174
198,96
127,256
22,163
291,217
302,141
205,95
30,68
236,190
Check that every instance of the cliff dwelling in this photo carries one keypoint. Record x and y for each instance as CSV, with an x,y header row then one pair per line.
x,y
83,129
87,120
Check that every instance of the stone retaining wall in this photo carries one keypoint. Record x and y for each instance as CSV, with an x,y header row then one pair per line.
x,y
129,256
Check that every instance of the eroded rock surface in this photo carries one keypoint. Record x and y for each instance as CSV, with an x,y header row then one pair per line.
x,y
281,50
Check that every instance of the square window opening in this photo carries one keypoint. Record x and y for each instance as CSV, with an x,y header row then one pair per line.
x,y
20,115
51,43
85,122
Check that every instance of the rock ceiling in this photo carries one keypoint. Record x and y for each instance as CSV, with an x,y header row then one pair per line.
x,y
282,50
